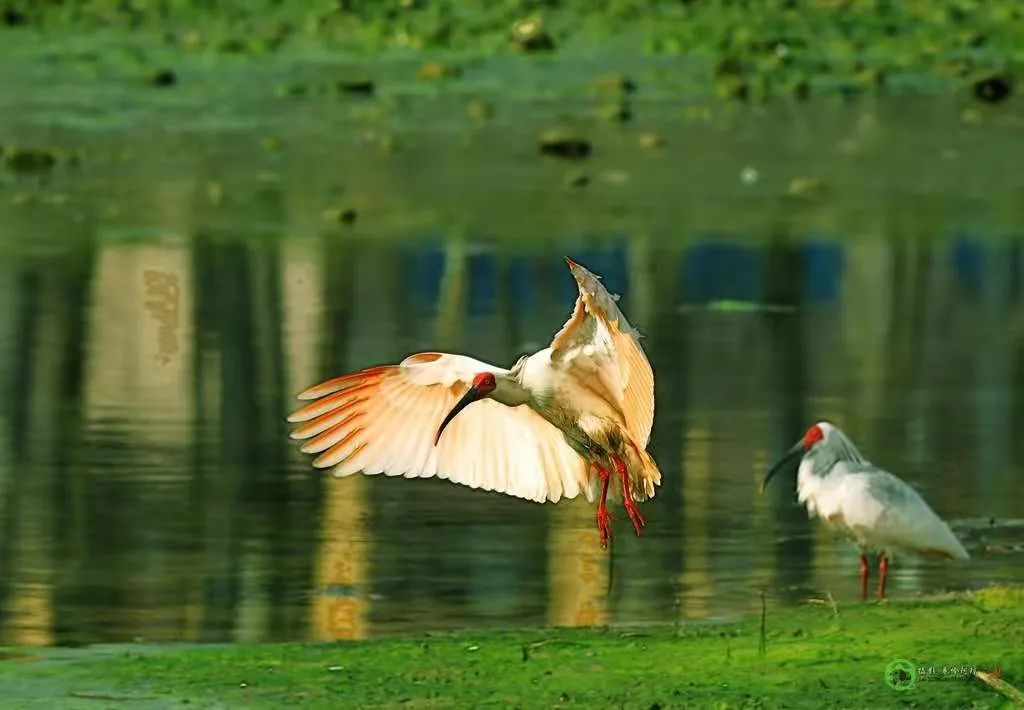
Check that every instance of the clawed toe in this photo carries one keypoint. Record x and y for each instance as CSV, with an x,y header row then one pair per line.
x,y
637,518
604,527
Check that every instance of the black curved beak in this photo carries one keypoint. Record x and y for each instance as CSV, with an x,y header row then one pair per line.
x,y
791,459
467,399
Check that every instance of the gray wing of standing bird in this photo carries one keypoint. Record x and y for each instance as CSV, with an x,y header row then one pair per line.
x,y
548,428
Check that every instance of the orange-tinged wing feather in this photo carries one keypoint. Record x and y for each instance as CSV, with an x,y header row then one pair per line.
x,y
383,420
599,346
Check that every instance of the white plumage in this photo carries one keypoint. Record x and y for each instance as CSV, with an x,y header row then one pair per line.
x,y
548,428
879,511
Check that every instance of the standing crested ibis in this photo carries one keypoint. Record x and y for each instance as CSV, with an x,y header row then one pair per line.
x,y
550,427
874,507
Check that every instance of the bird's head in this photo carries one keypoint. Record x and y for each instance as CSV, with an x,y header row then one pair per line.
x,y
816,437
482,386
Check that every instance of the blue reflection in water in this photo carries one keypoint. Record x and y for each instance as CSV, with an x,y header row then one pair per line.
x,y
968,261
521,283
822,271
483,283
721,271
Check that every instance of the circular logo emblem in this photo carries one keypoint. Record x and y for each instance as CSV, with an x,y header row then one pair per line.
x,y
901,674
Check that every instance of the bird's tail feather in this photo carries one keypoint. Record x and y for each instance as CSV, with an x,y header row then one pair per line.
x,y
644,474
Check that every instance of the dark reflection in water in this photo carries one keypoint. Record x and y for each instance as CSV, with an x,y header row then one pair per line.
x,y
148,487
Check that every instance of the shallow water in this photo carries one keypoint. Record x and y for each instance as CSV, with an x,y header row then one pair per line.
x,y
164,299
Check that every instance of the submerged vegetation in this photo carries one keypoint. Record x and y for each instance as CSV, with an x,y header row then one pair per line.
x,y
747,51
833,653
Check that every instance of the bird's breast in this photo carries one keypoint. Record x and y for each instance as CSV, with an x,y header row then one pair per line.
x,y
568,403
819,493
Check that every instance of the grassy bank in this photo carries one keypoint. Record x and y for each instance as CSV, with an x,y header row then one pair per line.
x,y
750,50
819,655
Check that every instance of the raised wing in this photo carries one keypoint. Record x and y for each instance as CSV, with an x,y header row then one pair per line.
x,y
599,346
383,420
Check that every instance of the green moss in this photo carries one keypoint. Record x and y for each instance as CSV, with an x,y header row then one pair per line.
x,y
775,47
436,71
1000,598
814,656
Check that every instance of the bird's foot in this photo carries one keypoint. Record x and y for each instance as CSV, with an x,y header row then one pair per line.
x,y
627,498
635,516
864,572
883,569
604,524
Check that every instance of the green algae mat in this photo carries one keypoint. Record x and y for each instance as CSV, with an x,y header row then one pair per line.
x,y
748,51
920,653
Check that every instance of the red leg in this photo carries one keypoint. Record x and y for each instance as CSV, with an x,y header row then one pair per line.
x,y
883,569
864,569
627,497
604,517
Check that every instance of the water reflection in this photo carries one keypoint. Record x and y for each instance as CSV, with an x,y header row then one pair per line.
x,y
148,488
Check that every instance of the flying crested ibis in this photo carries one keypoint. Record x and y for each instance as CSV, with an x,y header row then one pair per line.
x,y
552,426
875,508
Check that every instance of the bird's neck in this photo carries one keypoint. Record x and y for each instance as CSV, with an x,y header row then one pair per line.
x,y
813,477
805,473
818,465
509,391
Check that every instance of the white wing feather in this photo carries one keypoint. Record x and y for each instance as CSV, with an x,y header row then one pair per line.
x,y
383,420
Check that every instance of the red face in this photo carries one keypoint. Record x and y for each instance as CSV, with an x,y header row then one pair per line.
x,y
484,383
812,437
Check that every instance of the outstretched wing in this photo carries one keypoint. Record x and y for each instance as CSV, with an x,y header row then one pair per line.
x,y
383,420
598,346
